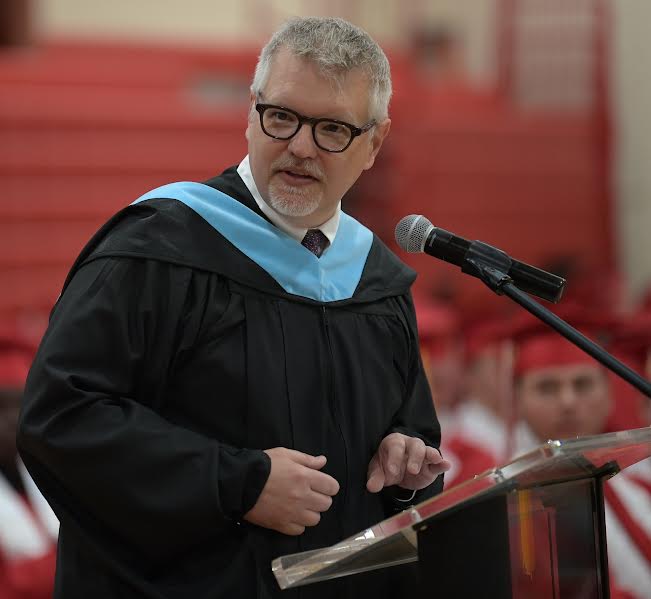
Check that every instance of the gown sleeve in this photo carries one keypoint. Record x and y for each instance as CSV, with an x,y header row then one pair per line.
x,y
90,431
416,417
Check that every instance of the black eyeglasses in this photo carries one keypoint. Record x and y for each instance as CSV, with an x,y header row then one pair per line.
x,y
329,134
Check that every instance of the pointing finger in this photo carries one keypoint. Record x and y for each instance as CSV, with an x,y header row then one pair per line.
x,y
433,456
436,469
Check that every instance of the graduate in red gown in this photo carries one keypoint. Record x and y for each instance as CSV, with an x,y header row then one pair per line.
x,y
561,393
442,351
28,527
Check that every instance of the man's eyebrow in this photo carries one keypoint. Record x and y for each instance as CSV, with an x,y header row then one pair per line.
x,y
349,118
547,381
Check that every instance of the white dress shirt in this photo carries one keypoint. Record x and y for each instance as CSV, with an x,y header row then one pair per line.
x,y
328,228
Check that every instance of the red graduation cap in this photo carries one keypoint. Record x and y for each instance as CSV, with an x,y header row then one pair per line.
x,y
538,346
438,325
632,339
631,344
485,334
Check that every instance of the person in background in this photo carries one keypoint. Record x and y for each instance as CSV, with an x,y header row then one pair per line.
x,y
483,417
632,345
28,527
561,393
439,332
232,371
442,354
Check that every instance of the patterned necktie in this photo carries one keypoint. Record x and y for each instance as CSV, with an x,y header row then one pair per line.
x,y
315,241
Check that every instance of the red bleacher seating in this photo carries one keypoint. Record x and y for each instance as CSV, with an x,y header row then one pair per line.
x,y
88,128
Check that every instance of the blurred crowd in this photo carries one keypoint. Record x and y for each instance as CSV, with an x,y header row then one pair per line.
x,y
28,526
506,384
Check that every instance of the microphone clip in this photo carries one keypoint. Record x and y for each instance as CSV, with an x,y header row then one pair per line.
x,y
494,278
489,264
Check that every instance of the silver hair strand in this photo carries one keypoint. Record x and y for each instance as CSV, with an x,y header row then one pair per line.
x,y
336,47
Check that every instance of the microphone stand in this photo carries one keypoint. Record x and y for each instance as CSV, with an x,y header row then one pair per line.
x,y
495,277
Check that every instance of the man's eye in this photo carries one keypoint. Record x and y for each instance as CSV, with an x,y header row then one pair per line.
x,y
280,115
584,384
332,128
547,387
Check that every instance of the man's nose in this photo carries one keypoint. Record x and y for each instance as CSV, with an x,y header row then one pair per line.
x,y
302,144
568,397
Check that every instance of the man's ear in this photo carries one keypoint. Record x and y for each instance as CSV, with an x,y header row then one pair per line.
x,y
380,131
252,100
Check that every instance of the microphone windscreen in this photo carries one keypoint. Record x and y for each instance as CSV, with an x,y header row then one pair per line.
x,y
411,233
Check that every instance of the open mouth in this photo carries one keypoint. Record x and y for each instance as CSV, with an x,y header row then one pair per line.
x,y
298,176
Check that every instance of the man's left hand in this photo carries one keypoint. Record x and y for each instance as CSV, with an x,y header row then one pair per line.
x,y
404,461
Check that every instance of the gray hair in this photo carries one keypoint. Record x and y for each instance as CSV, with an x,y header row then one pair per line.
x,y
336,47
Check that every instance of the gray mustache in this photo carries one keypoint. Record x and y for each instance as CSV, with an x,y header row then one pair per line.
x,y
305,167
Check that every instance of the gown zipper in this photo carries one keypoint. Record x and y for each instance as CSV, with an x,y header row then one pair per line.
x,y
333,401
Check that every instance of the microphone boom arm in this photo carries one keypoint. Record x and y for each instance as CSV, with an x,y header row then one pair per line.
x,y
502,284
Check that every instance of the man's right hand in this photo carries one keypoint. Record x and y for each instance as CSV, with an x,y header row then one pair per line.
x,y
295,493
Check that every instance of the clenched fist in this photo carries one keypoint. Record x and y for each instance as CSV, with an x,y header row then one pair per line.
x,y
295,494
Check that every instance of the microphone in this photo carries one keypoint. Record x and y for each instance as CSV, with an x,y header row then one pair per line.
x,y
414,234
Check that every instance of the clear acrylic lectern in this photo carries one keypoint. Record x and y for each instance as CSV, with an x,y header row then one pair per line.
x,y
531,528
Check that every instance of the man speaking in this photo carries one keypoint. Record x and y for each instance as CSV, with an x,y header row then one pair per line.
x,y
232,371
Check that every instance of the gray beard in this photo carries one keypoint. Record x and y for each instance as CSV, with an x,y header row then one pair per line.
x,y
292,204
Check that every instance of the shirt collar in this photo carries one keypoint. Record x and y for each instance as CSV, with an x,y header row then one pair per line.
x,y
328,228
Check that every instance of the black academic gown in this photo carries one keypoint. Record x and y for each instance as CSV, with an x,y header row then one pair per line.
x,y
170,362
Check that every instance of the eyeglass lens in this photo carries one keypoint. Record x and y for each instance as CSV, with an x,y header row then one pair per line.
x,y
329,135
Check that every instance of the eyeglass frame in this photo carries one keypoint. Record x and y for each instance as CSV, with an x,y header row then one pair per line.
x,y
314,121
